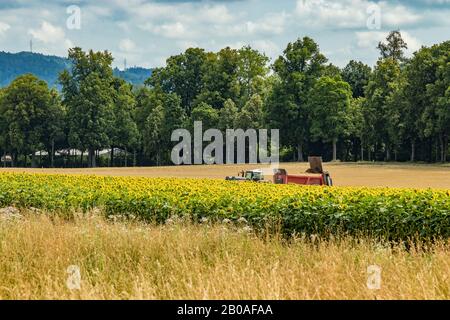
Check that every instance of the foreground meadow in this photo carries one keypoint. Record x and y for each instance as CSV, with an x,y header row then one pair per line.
x,y
133,260
166,238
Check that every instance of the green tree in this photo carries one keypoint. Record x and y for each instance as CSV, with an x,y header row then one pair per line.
x,y
423,88
25,110
228,115
394,47
378,115
220,78
3,128
329,103
437,113
146,100
55,128
357,74
207,114
124,131
330,70
88,96
174,117
395,108
252,69
161,112
419,73
298,69
356,126
251,115
182,75
153,133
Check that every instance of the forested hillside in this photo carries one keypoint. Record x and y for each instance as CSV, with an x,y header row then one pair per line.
x,y
48,68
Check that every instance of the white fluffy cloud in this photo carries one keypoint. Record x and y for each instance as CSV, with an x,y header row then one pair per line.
x,y
352,13
347,13
53,38
149,10
414,43
179,12
48,33
398,15
127,45
175,30
183,21
271,24
217,14
369,39
269,48
4,27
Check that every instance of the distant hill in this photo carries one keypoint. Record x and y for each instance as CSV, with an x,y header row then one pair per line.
x,y
48,68
134,75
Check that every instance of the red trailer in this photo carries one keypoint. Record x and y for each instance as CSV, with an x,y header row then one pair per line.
x,y
313,176
281,177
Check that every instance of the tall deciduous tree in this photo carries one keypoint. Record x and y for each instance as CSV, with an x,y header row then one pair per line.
x,y
182,75
228,115
419,73
88,96
357,128
157,115
395,106
3,129
298,68
357,74
207,115
220,78
124,131
437,112
26,112
153,133
55,128
251,115
379,117
394,47
329,104
252,69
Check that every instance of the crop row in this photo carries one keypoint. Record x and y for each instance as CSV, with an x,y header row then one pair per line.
x,y
394,214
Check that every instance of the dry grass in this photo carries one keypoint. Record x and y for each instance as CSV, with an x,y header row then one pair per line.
x,y
124,260
344,174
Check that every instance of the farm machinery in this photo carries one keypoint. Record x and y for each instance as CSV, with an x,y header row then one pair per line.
x,y
313,176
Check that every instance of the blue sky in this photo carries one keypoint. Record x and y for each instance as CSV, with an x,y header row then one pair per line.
x,y
147,32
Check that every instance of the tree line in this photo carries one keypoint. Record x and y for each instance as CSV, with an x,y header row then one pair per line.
x,y
398,110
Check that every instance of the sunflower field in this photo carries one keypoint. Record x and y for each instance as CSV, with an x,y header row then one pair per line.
x,y
394,214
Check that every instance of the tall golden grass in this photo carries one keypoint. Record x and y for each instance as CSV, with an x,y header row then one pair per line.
x,y
131,260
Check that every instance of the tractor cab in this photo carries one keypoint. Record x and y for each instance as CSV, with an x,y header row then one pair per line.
x,y
254,175
249,175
